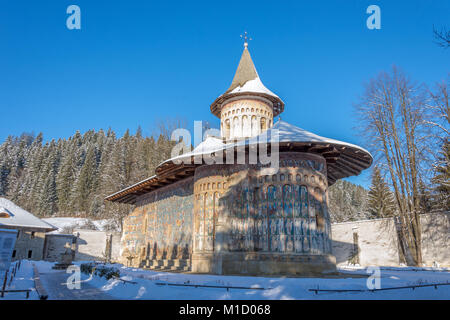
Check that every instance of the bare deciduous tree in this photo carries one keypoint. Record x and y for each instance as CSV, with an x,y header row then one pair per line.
x,y
393,113
442,37
440,109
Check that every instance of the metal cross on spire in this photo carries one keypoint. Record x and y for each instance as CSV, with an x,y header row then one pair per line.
x,y
246,38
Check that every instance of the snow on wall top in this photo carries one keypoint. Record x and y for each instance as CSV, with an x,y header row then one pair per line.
x,y
20,217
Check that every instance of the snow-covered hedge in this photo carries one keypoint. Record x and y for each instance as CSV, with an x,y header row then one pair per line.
x,y
100,270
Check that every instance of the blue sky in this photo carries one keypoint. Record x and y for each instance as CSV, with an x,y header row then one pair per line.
x,y
136,62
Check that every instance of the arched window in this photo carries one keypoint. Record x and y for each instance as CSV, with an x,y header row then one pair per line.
x,y
236,127
227,128
246,127
263,124
254,126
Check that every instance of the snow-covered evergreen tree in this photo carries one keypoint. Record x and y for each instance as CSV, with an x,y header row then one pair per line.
x,y
380,198
441,179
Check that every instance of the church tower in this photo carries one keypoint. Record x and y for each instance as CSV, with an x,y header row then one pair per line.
x,y
247,108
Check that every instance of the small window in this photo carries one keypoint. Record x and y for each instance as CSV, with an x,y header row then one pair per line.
x,y
30,254
14,254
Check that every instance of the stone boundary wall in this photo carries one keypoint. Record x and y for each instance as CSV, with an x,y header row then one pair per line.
x,y
55,245
375,242
91,245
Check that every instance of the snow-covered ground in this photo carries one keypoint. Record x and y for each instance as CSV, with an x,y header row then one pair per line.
x,y
24,279
66,223
153,285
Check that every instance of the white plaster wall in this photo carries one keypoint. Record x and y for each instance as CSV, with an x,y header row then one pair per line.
x,y
92,245
436,239
378,244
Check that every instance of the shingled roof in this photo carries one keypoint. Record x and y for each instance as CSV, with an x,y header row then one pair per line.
x,y
246,81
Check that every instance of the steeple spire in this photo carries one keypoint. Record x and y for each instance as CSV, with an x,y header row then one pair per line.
x,y
246,83
246,70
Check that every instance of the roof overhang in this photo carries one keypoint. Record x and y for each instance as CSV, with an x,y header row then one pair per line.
x,y
342,161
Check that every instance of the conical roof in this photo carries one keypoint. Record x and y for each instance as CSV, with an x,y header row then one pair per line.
x,y
246,81
246,71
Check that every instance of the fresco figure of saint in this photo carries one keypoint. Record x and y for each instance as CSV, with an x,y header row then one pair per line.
x,y
289,226
298,244
273,243
282,243
289,243
298,226
272,226
280,226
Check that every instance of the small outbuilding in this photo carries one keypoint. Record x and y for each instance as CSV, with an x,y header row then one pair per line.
x,y
31,230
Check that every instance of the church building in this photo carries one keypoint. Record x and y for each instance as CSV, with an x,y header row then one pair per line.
x,y
203,214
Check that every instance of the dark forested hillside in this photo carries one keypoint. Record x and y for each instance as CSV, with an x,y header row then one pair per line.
x,y
71,177
348,202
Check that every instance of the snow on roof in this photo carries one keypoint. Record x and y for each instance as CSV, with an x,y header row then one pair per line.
x,y
253,86
246,81
211,144
286,132
20,217
281,131
246,78
133,185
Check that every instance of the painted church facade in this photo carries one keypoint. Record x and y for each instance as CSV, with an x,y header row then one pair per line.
x,y
241,218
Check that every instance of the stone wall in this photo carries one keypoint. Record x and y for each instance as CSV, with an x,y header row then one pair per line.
x,y
55,245
29,244
375,242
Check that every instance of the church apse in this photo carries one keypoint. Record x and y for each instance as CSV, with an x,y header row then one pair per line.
x,y
247,222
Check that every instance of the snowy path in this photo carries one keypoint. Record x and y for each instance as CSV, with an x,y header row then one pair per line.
x,y
147,284
55,284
